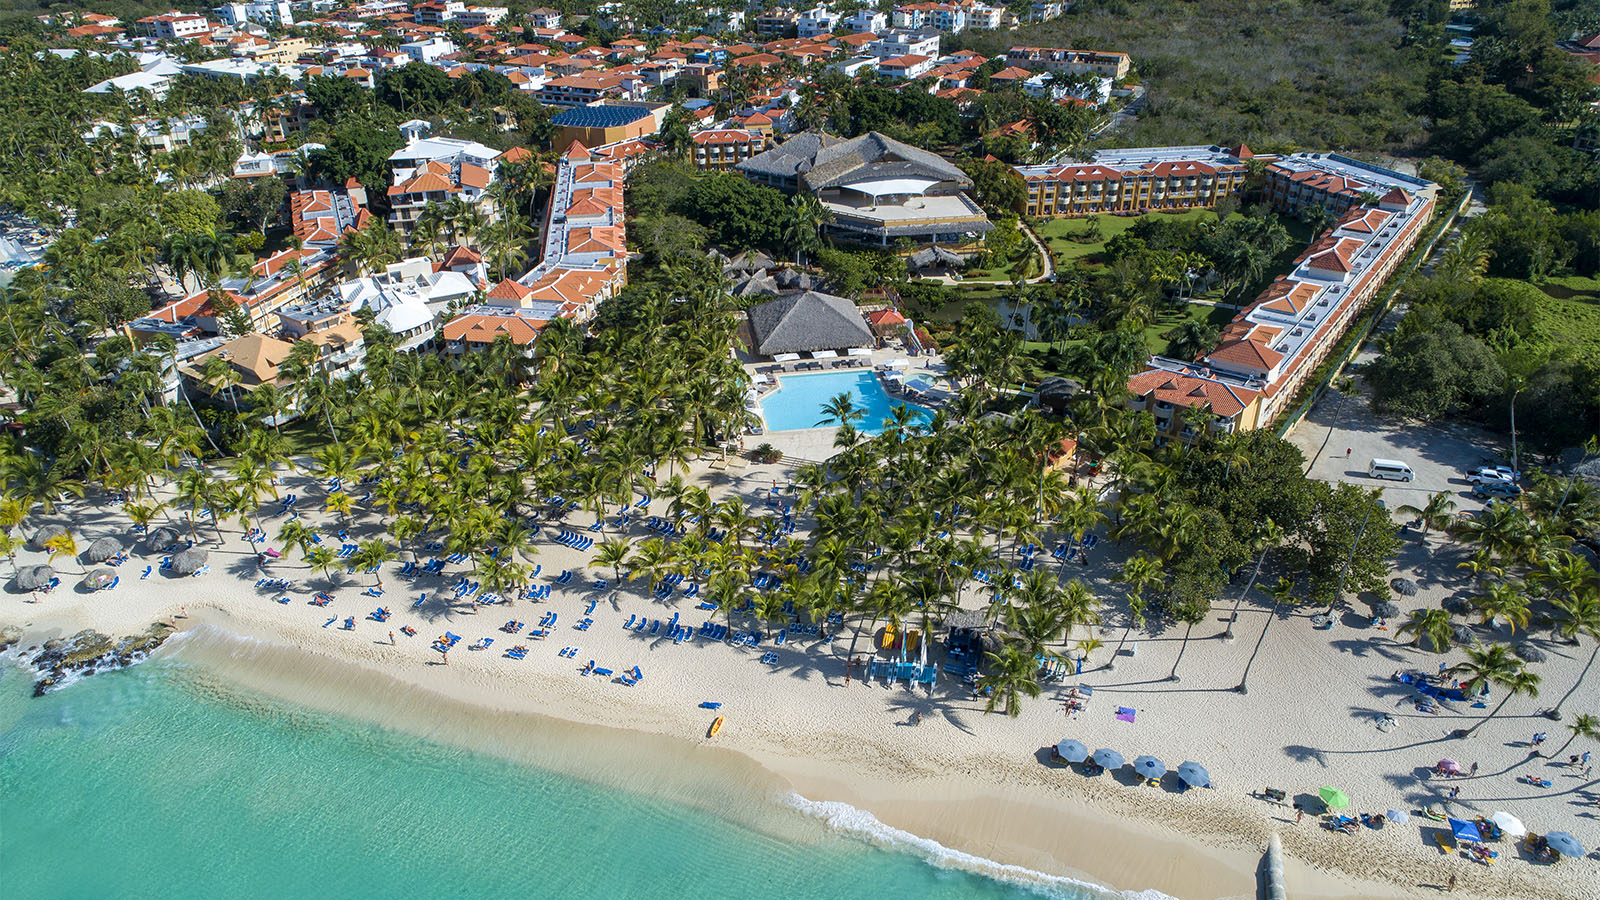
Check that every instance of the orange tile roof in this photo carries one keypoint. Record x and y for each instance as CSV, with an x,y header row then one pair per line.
x,y
1246,353
477,328
1191,391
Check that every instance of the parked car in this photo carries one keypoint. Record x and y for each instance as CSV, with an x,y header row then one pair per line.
x,y
1485,490
1491,473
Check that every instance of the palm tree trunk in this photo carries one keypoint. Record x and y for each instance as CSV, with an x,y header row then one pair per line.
x,y
1492,713
1576,684
1228,634
1173,675
1243,687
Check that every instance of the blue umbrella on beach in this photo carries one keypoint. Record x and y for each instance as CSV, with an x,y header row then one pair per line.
x,y
1194,775
1465,831
1564,844
1150,767
1108,759
1072,751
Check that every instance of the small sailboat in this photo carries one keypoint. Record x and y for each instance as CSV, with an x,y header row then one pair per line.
x,y
716,726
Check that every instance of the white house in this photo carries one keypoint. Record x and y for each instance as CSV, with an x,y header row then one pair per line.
x,y
905,43
272,13
815,21
428,50
866,20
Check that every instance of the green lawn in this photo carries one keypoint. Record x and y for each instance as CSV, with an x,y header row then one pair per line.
x,y
1060,233
1572,287
1572,322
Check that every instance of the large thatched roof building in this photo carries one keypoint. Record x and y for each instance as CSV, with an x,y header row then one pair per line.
x,y
796,323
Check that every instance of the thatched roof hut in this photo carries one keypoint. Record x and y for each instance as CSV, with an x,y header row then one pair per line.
x,y
45,533
102,549
31,578
186,562
808,321
98,579
160,538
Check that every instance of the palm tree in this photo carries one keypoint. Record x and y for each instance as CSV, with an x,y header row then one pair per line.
x,y
1584,726
1089,645
841,409
1578,616
613,552
295,533
372,554
1191,613
1438,512
1503,602
1282,592
1433,624
1012,672
1140,573
63,544
324,560
1495,666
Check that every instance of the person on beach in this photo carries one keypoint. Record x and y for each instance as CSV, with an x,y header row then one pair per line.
x,y
1452,885
1455,792
391,639
1585,758
1538,738
1474,768
445,655
1347,453
1299,814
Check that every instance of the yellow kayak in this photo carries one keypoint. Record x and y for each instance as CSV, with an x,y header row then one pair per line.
x,y
716,726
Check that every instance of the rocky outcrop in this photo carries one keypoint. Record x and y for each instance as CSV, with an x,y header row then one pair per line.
x,y
62,660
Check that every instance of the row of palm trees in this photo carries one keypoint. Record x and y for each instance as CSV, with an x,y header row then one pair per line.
x,y
1521,562
906,525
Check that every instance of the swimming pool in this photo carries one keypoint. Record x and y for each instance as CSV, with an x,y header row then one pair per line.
x,y
798,402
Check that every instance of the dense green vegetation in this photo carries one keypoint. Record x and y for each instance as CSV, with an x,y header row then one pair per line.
x,y
1473,343
1275,74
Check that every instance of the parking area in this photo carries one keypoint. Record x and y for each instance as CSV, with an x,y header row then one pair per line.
x,y
1341,436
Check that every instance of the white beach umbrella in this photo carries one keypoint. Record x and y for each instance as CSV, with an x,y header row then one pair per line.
x,y
1511,825
1397,816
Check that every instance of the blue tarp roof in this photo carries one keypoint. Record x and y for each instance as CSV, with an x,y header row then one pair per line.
x,y
600,116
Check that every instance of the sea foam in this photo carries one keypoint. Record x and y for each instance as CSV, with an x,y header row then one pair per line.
x,y
858,823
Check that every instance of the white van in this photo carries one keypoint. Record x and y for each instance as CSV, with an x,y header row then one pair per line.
x,y
1391,469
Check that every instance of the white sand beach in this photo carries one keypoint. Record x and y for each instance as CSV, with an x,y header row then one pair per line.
x,y
927,762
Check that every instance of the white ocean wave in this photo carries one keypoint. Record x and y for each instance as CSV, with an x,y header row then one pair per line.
x,y
858,823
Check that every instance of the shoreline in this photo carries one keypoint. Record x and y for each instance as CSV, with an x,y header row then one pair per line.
x,y
1004,831
926,762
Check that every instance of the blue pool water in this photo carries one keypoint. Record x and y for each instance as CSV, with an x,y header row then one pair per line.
x,y
798,403
163,781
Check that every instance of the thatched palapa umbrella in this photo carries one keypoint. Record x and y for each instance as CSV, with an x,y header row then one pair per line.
x,y
160,538
1385,610
1463,634
45,533
98,579
31,578
1405,587
102,549
188,561
1456,605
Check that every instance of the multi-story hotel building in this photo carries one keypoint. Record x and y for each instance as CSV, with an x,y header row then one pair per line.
x,y
717,149
435,170
1273,346
1070,62
1134,181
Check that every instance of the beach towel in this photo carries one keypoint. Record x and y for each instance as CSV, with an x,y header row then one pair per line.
x,y
1125,714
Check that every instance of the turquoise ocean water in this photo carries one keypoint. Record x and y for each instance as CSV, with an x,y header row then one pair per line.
x,y
163,781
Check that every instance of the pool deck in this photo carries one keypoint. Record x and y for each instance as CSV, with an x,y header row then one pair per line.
x,y
817,443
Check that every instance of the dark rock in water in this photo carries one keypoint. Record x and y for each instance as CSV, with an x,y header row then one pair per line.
x,y
88,652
